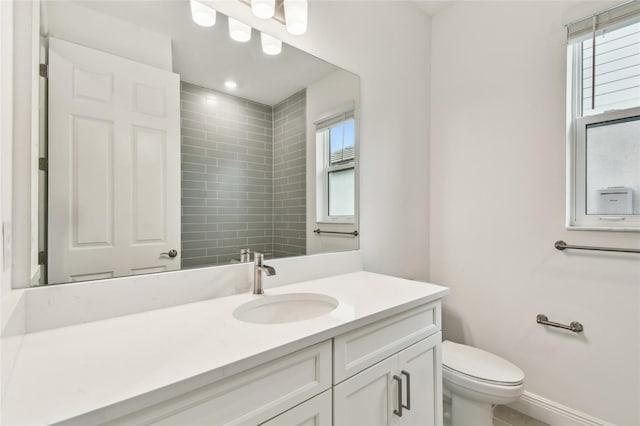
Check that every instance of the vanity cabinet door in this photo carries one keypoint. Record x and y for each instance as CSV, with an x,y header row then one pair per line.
x,y
421,372
368,398
314,412
372,397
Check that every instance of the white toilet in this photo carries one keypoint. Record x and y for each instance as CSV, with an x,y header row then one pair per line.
x,y
476,381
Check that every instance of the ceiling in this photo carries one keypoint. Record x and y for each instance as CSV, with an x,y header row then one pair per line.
x,y
207,56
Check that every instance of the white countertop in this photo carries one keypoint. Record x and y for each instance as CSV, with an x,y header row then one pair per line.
x,y
66,372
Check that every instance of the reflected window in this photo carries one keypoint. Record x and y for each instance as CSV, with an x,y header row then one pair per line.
x,y
336,189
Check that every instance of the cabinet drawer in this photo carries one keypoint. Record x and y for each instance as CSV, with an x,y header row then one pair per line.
x,y
363,347
247,398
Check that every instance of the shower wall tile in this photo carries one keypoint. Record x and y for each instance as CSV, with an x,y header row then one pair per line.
x,y
289,176
227,172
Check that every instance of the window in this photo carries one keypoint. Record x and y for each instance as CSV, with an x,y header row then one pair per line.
x,y
336,169
604,133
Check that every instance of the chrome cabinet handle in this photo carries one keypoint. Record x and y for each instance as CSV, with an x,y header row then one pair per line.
x,y
408,376
398,411
170,253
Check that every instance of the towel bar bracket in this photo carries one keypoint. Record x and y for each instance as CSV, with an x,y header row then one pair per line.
x,y
574,326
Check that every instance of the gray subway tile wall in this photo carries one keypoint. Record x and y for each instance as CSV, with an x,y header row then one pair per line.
x,y
289,176
227,172
235,193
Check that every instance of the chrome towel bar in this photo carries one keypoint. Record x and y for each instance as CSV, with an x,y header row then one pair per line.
x,y
320,231
575,326
561,245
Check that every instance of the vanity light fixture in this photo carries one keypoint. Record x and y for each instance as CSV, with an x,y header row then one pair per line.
x,y
270,45
295,15
263,9
230,84
202,15
239,31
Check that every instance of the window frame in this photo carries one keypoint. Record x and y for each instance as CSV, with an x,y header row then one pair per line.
x,y
577,122
324,168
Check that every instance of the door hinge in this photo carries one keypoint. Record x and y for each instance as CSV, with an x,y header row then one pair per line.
x,y
43,164
44,70
42,258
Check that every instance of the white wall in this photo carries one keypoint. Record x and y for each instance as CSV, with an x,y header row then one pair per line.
x,y
6,137
12,304
498,204
25,149
328,95
387,44
73,22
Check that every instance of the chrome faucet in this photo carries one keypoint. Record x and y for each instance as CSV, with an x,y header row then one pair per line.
x,y
245,255
258,268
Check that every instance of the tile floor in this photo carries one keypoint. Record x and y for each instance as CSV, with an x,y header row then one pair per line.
x,y
502,416
505,416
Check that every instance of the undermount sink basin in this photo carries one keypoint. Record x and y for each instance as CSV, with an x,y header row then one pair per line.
x,y
285,308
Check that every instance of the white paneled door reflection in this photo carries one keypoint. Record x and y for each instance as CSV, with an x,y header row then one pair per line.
x,y
114,165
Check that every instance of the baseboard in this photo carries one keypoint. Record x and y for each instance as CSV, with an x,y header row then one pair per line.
x,y
553,413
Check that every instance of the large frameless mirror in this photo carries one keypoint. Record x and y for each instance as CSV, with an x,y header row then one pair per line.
x,y
167,144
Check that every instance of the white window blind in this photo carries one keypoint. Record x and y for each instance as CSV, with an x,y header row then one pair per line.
x,y
610,79
606,19
617,70
332,119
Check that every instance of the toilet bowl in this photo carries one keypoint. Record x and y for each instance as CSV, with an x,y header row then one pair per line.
x,y
477,380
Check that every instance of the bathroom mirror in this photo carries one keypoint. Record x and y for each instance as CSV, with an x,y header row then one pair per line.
x,y
166,144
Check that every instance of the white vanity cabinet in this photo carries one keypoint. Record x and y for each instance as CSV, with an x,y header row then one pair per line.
x,y
385,373
402,388
197,364
248,398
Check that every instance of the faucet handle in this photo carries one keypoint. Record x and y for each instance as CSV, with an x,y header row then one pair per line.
x,y
245,255
258,258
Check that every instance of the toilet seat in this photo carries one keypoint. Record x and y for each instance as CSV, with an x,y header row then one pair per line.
x,y
480,366
480,379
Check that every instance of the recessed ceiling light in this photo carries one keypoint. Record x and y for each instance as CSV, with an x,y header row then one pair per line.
x,y
230,84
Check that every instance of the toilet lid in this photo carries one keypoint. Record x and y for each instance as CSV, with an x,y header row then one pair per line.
x,y
480,364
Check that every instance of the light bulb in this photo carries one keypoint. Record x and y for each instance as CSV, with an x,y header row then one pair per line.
x,y
230,84
263,8
202,15
270,45
239,31
295,15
